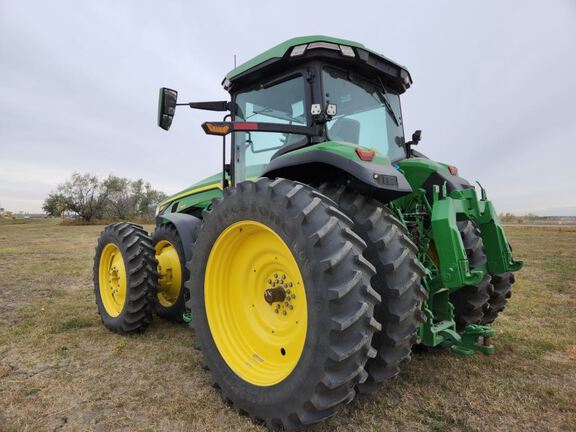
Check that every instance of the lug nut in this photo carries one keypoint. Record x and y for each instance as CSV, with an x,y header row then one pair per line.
x,y
284,313
291,307
283,276
293,296
276,275
290,284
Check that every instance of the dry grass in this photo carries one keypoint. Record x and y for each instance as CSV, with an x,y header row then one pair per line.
x,y
61,370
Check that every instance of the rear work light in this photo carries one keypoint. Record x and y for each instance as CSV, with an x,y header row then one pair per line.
x,y
453,170
365,155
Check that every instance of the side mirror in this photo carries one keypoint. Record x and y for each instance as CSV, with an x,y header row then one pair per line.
x,y
416,137
166,107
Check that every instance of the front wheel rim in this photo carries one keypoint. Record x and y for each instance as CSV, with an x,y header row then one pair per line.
x,y
255,303
112,280
169,273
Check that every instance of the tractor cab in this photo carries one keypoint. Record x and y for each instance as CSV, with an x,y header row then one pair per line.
x,y
347,93
307,101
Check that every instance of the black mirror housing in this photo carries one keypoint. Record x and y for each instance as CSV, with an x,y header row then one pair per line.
x,y
166,107
416,137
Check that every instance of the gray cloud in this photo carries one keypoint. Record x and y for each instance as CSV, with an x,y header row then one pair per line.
x,y
493,91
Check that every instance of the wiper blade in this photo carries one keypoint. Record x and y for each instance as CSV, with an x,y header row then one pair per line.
x,y
387,104
389,109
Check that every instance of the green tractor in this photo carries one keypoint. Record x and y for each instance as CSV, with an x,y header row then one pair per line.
x,y
325,250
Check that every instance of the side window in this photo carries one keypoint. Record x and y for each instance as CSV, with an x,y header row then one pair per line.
x,y
282,103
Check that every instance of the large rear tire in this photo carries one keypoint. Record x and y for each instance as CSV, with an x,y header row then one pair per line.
x,y
287,364
397,280
124,278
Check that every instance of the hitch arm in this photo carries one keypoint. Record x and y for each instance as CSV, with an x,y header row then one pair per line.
x,y
454,267
498,252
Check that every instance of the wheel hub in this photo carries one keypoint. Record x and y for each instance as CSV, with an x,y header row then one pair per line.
x,y
279,293
272,295
114,279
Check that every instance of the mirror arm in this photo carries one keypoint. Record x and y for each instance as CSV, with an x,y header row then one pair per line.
x,y
209,106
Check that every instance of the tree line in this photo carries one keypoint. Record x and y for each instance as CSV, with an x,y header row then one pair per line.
x,y
88,197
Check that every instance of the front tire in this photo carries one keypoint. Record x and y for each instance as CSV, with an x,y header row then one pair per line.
x,y
124,278
293,367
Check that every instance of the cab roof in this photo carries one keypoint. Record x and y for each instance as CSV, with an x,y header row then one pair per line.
x,y
281,51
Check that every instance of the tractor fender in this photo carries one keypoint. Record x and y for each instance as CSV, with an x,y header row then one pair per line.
x,y
186,225
383,182
438,179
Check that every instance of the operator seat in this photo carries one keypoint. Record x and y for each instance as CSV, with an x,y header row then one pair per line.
x,y
345,129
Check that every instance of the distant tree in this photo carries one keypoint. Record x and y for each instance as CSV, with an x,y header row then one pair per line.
x,y
147,198
507,217
128,198
119,203
84,195
114,197
55,204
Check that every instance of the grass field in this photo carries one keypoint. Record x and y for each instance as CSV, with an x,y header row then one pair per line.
x,y
61,370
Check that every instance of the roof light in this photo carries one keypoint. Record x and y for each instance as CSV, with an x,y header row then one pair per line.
x,y
347,51
365,155
326,45
298,50
453,170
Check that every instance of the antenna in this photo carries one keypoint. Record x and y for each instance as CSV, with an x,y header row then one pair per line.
x,y
234,61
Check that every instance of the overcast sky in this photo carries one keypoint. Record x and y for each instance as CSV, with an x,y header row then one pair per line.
x,y
494,87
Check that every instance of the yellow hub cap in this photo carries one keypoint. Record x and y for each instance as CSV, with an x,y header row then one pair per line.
x,y
112,280
170,273
255,303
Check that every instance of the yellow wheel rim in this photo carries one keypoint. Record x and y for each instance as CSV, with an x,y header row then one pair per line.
x,y
169,273
112,280
259,332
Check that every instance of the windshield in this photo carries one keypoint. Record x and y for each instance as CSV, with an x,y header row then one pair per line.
x,y
367,114
282,103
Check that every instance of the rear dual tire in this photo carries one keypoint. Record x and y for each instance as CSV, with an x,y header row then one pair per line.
x,y
397,280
